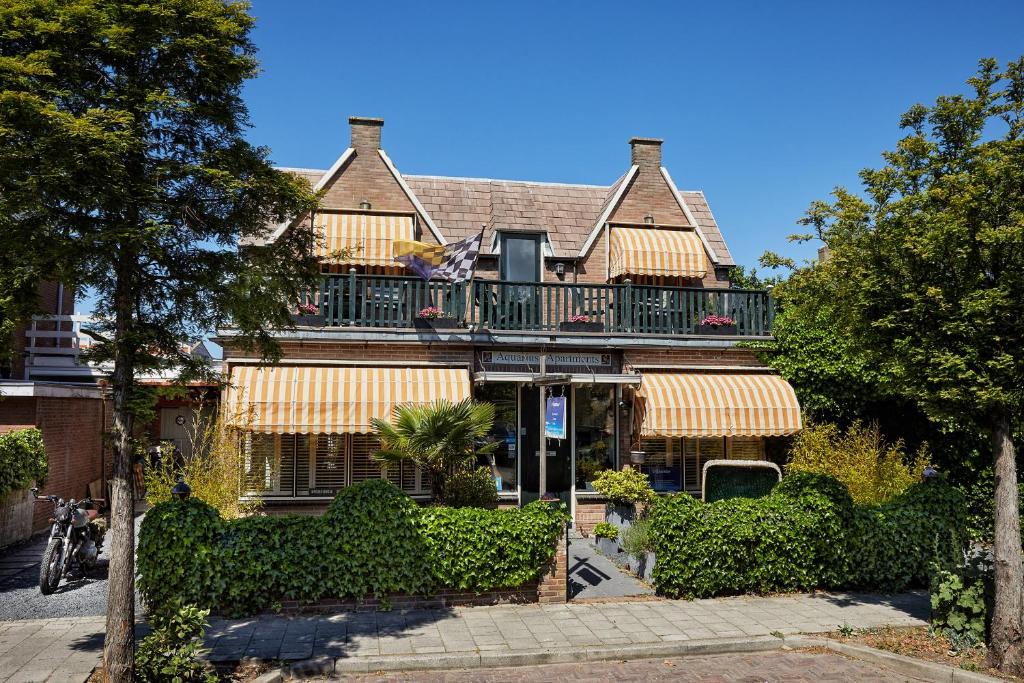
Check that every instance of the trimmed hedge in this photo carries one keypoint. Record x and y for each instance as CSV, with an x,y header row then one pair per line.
x,y
22,459
805,534
373,540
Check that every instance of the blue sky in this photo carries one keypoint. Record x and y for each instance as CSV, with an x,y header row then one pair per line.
x,y
764,106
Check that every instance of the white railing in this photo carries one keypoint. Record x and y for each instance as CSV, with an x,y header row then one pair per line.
x,y
53,346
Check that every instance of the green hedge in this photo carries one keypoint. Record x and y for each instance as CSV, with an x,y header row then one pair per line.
x,y
22,460
373,540
806,533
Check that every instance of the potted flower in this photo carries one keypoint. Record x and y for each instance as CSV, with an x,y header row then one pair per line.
x,y
308,316
625,490
580,323
605,536
434,318
717,325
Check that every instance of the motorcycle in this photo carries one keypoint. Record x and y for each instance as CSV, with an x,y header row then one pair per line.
x,y
75,540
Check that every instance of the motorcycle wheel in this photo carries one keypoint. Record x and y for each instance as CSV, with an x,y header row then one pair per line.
x,y
50,569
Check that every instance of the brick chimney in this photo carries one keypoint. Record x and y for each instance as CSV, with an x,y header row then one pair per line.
x,y
646,152
365,133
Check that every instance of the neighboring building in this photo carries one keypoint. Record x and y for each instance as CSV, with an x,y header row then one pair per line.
x,y
644,263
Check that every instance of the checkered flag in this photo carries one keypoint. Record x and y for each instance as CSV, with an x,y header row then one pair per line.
x,y
459,262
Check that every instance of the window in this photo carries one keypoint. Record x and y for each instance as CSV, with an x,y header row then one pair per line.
x,y
595,431
519,258
504,467
678,464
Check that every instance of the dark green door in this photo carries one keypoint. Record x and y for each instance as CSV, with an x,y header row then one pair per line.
x,y
520,262
559,451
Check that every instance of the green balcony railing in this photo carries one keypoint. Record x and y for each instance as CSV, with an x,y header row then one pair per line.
x,y
391,301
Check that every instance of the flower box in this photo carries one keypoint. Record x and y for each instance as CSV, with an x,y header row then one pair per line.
x,y
620,516
642,566
716,330
308,320
580,326
607,546
444,323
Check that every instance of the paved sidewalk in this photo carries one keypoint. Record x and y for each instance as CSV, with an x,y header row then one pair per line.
x,y
65,649
592,575
529,628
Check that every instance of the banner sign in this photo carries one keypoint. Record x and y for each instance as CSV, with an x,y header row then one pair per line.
x,y
554,418
557,359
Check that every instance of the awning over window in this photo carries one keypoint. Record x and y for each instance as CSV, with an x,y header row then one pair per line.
x,y
367,236
696,404
655,251
305,399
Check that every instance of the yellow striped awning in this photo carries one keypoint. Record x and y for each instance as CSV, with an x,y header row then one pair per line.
x,y
656,251
367,236
307,399
695,404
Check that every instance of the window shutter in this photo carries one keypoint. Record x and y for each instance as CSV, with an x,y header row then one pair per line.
x,y
363,465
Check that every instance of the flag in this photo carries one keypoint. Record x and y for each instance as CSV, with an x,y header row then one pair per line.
x,y
454,262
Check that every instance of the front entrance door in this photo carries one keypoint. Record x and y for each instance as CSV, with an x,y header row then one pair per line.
x,y
559,451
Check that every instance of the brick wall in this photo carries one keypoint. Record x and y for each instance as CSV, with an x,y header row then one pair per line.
x,y
365,351
554,584
49,297
589,513
693,357
648,194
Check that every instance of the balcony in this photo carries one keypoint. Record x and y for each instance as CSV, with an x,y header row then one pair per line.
x,y
394,302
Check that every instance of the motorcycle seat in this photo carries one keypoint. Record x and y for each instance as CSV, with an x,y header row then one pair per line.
x,y
92,514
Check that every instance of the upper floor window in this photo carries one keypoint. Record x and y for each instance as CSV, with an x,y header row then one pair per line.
x,y
520,256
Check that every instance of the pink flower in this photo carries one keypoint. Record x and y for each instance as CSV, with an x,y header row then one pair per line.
x,y
309,309
430,313
717,320
579,318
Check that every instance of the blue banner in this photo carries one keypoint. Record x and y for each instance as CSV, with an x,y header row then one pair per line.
x,y
554,418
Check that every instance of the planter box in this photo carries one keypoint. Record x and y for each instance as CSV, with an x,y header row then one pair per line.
x,y
643,566
435,323
721,330
308,320
607,546
16,511
566,326
621,517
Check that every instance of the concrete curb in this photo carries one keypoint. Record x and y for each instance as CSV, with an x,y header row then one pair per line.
x,y
908,666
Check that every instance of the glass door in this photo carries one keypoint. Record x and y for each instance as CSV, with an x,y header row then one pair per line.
x,y
559,451
520,261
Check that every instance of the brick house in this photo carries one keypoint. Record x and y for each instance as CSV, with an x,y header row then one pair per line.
x,y
639,261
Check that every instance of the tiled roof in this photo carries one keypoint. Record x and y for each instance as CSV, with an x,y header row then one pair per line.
x,y
460,206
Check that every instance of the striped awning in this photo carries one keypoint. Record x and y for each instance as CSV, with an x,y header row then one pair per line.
x,y
367,236
306,399
696,404
656,251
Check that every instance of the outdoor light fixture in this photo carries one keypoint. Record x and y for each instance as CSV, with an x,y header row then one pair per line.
x,y
181,490
560,269
364,205
649,219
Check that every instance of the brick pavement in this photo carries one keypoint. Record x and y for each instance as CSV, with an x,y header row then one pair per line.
x,y
64,649
792,667
530,628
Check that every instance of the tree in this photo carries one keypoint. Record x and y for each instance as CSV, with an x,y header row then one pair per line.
x,y
929,276
124,170
441,438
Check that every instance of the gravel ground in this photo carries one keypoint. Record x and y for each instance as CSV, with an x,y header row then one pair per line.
x,y
20,597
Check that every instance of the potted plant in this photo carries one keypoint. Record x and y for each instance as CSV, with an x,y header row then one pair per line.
x,y
580,323
625,490
587,469
434,318
308,316
636,541
605,536
717,325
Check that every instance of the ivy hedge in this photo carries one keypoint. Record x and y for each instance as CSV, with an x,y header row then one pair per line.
x,y
807,533
22,459
373,540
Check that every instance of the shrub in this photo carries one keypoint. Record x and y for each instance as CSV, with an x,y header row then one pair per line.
x,y
962,599
171,651
606,530
806,533
22,460
476,549
625,486
872,470
471,488
636,540
372,541
738,481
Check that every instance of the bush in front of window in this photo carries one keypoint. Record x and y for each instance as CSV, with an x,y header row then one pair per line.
x,y
471,489
805,534
373,541
606,530
624,487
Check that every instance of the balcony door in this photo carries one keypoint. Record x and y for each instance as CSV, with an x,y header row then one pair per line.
x,y
520,261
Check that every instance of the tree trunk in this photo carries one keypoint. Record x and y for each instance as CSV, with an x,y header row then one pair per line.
x,y
119,644
1006,649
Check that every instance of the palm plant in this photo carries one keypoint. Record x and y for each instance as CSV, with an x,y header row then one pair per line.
x,y
440,438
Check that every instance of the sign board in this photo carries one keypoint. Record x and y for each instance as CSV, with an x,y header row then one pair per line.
x,y
529,358
554,418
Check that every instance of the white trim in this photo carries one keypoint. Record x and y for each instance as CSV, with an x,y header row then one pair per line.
x,y
689,215
324,179
574,377
11,389
412,198
608,209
